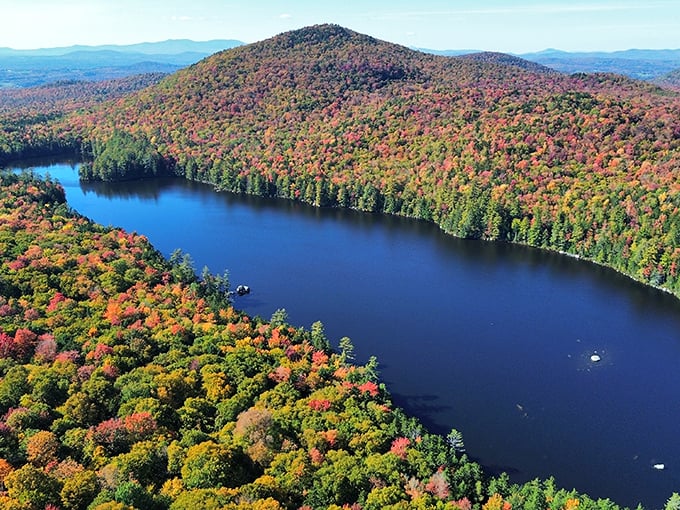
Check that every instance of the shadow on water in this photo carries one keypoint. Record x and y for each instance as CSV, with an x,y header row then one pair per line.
x,y
422,406
41,162
143,190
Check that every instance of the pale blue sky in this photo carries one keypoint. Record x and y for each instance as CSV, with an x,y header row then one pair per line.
x,y
500,25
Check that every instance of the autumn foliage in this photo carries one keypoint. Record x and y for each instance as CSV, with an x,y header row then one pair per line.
x,y
124,388
128,382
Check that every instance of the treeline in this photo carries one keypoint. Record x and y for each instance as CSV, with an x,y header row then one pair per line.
x,y
128,382
122,157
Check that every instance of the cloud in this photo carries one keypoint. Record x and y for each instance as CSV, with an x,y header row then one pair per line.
x,y
181,18
285,15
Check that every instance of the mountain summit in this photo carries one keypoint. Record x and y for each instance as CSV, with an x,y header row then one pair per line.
x,y
310,68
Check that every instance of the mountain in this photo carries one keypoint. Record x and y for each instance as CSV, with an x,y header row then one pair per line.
x,y
490,57
638,64
486,146
28,68
447,53
634,54
22,107
66,96
37,74
670,80
169,47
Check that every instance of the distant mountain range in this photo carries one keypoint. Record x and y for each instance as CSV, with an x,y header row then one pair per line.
x,y
639,64
27,68
169,47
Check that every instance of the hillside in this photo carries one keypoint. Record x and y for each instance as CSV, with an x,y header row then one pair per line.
x,y
490,57
33,108
584,164
670,80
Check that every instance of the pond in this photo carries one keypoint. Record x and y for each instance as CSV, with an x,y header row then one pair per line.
x,y
492,339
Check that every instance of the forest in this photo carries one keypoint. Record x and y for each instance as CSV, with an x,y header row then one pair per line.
x,y
126,381
25,114
129,382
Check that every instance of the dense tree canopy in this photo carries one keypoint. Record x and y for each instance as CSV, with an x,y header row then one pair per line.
x,y
126,383
25,113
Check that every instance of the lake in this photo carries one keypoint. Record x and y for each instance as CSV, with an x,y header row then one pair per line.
x,y
492,339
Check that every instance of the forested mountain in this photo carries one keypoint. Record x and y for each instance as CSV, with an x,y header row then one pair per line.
x,y
491,57
34,108
67,96
486,147
670,80
638,64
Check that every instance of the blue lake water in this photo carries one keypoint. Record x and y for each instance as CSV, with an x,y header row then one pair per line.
x,y
492,339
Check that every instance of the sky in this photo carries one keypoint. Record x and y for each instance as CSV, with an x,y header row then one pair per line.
x,y
513,26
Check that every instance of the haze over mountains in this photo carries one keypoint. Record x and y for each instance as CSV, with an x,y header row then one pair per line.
x,y
27,68
169,47
639,64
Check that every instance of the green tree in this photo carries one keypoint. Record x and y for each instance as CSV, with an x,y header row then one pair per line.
x,y
79,490
673,502
340,481
12,387
146,462
49,387
318,337
182,266
197,413
346,350
32,487
133,494
279,318
123,156
201,499
215,465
